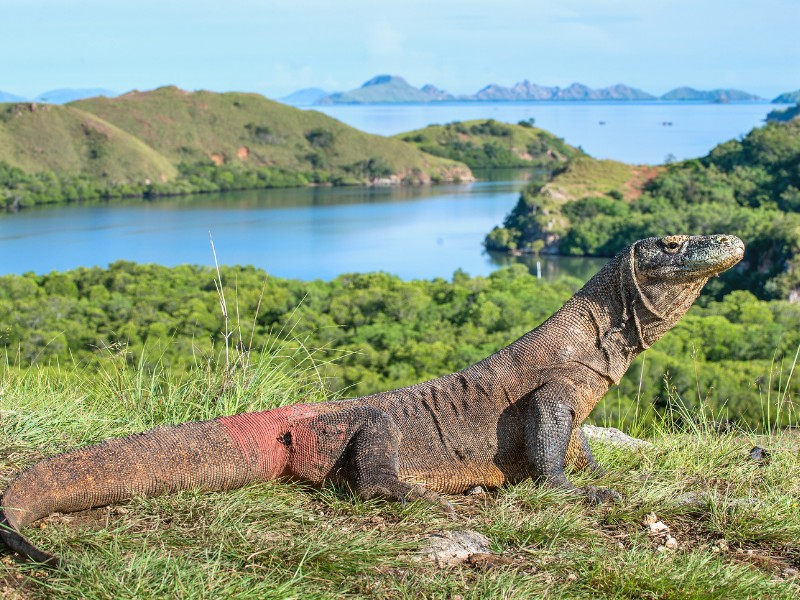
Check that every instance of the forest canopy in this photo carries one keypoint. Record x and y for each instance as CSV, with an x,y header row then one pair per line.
x,y
372,332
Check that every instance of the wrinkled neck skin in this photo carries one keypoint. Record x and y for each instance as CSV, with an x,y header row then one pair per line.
x,y
627,313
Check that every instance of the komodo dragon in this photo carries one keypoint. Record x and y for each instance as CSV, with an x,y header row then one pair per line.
x,y
513,415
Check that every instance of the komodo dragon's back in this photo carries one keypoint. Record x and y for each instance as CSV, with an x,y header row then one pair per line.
x,y
513,415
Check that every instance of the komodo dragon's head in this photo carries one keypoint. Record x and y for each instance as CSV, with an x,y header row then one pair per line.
x,y
662,277
641,294
685,258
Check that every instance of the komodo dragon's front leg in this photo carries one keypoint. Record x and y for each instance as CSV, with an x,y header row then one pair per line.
x,y
579,455
552,435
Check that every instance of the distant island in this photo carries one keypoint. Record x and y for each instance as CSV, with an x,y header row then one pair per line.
x,y
9,97
59,96
788,98
393,89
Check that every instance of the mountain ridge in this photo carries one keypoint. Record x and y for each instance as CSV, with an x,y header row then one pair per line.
x,y
393,89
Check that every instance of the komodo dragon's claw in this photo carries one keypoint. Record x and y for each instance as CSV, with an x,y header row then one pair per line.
x,y
599,495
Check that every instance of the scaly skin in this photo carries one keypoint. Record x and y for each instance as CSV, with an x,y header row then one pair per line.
x,y
513,415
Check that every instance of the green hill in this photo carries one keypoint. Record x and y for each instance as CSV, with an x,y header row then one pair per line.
x,y
251,130
489,144
784,114
67,141
169,141
748,187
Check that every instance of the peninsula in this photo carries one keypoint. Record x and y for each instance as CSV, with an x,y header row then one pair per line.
x,y
170,141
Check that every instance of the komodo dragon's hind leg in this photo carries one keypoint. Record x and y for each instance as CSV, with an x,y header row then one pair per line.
x,y
372,463
549,431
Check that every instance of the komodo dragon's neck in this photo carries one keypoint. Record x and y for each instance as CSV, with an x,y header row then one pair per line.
x,y
604,325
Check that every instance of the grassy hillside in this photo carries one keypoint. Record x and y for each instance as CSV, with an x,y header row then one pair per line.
x,y
173,142
733,528
68,141
599,178
250,130
489,144
538,221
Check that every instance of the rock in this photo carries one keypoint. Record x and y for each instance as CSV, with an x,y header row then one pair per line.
x,y
759,455
671,543
657,528
650,519
447,548
475,491
654,526
613,436
696,499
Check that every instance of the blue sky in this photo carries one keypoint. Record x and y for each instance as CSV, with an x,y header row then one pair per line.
x,y
275,47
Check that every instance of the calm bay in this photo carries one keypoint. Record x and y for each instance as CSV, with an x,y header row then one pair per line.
x,y
633,132
413,232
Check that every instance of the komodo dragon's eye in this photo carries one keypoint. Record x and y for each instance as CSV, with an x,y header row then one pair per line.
x,y
671,245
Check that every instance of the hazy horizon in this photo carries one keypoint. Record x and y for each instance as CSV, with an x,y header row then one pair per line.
x,y
286,45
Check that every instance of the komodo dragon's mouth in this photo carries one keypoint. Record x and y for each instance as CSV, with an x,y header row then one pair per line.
x,y
718,257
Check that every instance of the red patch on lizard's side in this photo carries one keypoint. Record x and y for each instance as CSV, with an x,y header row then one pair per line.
x,y
265,438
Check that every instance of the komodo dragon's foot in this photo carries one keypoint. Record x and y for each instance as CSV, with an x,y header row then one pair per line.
x,y
394,489
420,492
592,494
599,495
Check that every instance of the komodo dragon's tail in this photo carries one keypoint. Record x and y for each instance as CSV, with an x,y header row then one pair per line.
x,y
222,454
